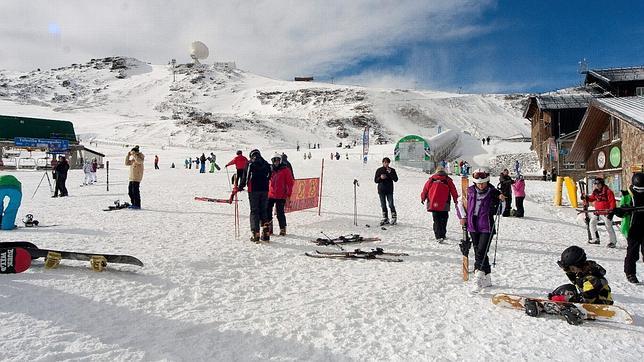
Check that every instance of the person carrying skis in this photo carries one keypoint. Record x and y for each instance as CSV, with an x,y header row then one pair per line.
x,y
505,186
256,176
631,210
437,192
589,285
279,190
604,200
483,203
385,178
240,161
135,159
518,188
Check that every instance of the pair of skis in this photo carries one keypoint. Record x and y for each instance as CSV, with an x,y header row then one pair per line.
x,y
16,257
373,254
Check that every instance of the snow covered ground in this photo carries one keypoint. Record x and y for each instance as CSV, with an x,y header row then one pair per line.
x,y
206,295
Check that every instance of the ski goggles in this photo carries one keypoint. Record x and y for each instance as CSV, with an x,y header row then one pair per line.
x,y
480,175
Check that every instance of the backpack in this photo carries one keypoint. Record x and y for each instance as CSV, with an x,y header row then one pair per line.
x,y
438,195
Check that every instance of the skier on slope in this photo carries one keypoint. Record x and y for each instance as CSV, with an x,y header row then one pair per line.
x,y
633,224
279,190
589,284
518,188
257,175
385,178
87,171
240,161
483,202
437,192
604,200
505,186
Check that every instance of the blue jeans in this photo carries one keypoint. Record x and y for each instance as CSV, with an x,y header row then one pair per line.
x,y
9,213
384,199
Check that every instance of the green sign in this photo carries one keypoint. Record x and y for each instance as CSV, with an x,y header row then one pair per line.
x,y
615,156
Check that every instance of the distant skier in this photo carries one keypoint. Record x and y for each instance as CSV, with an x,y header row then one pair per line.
x,y
190,163
309,155
589,285
457,169
156,162
518,188
186,163
135,160
256,176
212,159
202,159
488,140
337,156
505,186
483,140
240,161
87,171
604,200
385,178
517,167
61,176
279,190
437,192
94,169
632,224
483,202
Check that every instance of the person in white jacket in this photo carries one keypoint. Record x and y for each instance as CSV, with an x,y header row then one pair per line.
x,y
87,169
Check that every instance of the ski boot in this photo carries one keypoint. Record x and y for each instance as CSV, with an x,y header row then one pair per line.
x,y
532,308
393,218
270,227
266,236
282,231
594,242
572,314
385,219
255,237
632,278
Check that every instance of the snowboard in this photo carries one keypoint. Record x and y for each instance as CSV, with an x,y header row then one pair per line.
x,y
14,260
35,252
600,312
117,206
217,166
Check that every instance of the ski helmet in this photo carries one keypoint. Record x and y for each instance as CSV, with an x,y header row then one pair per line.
x,y
480,176
572,256
638,181
567,290
276,156
254,153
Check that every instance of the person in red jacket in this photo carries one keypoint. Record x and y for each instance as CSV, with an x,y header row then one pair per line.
x,y
280,188
437,192
240,161
604,200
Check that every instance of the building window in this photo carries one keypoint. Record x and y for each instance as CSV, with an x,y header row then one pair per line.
x,y
639,91
569,165
615,125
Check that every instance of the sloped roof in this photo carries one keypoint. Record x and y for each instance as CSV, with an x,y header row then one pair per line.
x,y
595,121
618,74
555,101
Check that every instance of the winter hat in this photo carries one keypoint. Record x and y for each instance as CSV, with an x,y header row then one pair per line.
x,y
254,153
239,152
135,148
276,156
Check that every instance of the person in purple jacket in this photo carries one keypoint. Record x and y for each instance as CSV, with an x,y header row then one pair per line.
x,y
483,203
518,189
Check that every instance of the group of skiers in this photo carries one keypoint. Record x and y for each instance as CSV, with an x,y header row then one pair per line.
x,y
269,186
89,169
200,163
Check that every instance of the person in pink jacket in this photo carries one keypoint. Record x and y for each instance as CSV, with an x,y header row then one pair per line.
x,y
518,189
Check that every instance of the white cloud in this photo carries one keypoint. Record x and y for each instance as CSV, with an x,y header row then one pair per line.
x,y
277,38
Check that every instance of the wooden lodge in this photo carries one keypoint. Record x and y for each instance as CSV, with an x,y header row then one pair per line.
x,y
619,82
610,141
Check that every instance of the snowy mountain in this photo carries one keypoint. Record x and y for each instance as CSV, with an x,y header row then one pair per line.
x,y
219,106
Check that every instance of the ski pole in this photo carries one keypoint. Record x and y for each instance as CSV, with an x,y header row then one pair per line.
x,y
496,243
494,221
230,188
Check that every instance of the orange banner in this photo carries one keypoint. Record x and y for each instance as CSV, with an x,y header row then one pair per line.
x,y
306,194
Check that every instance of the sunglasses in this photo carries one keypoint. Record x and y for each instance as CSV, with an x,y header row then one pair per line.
x,y
479,175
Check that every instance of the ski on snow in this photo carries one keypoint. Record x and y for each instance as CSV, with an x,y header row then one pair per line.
x,y
374,254
345,239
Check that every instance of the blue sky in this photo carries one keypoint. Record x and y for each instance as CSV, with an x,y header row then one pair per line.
x,y
529,46
477,46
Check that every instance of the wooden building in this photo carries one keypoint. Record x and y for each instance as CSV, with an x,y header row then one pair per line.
x,y
554,119
611,140
619,82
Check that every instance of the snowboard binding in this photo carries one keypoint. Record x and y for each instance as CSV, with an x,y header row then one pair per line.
x,y
572,315
29,221
52,260
98,263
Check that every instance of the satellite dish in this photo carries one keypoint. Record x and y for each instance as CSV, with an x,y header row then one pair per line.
x,y
198,50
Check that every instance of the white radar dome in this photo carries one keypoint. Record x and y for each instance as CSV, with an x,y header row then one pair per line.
x,y
198,50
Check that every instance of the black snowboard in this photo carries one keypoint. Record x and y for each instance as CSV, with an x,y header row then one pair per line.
x,y
36,253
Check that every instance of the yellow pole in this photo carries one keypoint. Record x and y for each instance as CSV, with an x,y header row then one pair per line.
x,y
559,187
571,187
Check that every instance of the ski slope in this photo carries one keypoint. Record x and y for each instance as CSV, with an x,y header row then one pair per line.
x,y
206,295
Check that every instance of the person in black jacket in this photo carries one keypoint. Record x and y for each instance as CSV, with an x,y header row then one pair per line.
x,y
385,178
505,186
256,176
61,176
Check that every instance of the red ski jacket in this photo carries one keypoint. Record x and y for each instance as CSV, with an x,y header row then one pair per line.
x,y
240,162
604,200
281,184
437,191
